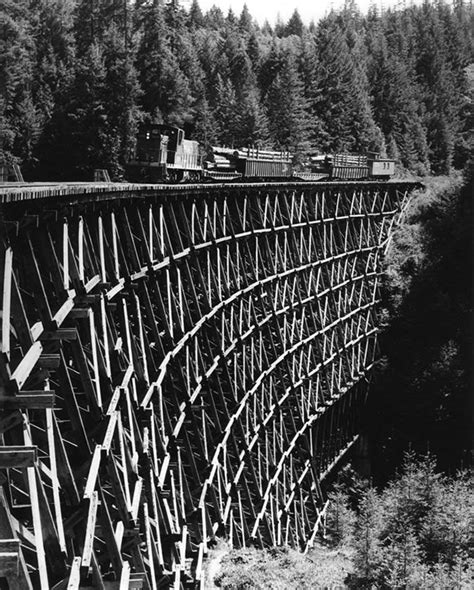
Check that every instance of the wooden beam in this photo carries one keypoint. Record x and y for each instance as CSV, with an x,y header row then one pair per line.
x,y
90,530
75,574
60,334
125,576
18,457
6,307
33,400
93,472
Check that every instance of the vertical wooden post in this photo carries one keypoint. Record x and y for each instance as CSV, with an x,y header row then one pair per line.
x,y
6,304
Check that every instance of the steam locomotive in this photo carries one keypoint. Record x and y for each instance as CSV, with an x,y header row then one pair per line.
x,y
163,154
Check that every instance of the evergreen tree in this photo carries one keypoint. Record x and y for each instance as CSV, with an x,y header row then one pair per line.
x,y
239,67
87,116
271,66
458,37
75,141
280,27
246,24
267,29
308,69
122,92
367,135
226,113
368,557
287,107
336,82
252,120
166,91
254,52
295,25
215,18
196,18
231,20
205,129
208,46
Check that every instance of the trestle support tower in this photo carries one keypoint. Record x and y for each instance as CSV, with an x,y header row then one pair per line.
x,y
179,363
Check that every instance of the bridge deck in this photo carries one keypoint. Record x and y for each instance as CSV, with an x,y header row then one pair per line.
x,y
17,191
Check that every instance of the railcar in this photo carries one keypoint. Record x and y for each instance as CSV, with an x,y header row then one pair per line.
x,y
381,168
248,163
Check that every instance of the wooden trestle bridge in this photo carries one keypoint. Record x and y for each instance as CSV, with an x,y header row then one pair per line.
x,y
178,363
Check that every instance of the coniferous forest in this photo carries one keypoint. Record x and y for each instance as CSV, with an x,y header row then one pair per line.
x,y
78,76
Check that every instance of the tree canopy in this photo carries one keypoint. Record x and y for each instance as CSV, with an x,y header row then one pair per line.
x,y
77,77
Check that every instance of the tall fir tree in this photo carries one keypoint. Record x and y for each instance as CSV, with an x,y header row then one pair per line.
x,y
205,127
166,91
239,67
226,113
254,52
252,120
308,61
289,119
196,17
246,24
335,78
121,96
295,25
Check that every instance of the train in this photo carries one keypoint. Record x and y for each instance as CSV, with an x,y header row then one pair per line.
x,y
163,154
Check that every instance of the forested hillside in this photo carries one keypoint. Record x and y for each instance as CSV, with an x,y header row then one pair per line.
x,y
77,77
423,394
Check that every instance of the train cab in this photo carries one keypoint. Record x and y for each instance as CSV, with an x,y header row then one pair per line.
x,y
151,146
163,153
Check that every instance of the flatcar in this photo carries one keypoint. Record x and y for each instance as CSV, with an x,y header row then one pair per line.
x,y
250,163
163,154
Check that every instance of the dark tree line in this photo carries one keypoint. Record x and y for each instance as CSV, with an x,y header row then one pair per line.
x,y
78,76
423,394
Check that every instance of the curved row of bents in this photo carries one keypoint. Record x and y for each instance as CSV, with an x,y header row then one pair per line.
x,y
178,255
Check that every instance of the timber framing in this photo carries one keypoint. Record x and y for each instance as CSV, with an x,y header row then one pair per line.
x,y
178,363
